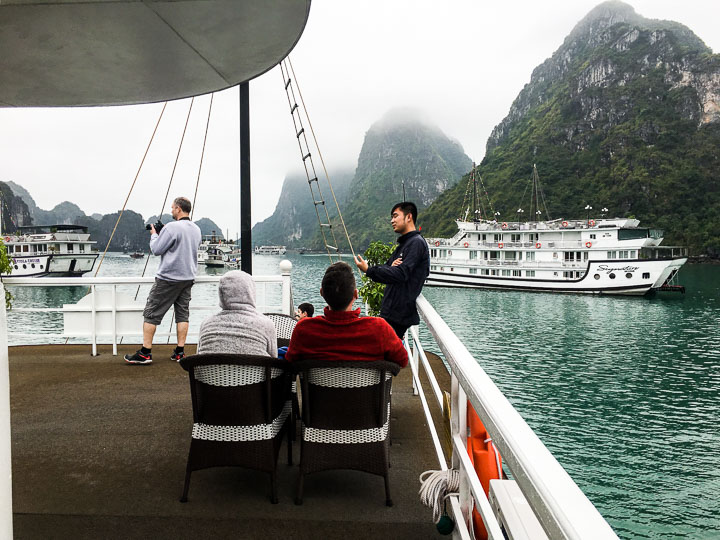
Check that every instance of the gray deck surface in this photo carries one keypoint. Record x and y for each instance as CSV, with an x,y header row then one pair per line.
x,y
99,451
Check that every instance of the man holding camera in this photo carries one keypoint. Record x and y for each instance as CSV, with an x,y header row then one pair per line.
x,y
177,244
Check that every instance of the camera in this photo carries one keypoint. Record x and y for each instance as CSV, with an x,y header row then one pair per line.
x,y
158,226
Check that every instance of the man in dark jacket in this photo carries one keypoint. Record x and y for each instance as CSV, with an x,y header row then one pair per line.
x,y
404,273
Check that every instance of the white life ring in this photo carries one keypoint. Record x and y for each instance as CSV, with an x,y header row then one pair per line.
x,y
591,223
437,243
504,225
588,244
466,244
565,224
538,245
7,239
501,245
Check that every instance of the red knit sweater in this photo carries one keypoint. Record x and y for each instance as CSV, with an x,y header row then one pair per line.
x,y
344,335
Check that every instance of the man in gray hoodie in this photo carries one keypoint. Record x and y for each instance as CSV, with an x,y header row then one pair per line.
x,y
177,244
239,328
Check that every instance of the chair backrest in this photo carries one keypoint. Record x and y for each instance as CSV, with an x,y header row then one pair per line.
x,y
238,390
284,326
351,397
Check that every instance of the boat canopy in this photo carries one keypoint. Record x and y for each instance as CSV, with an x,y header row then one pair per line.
x,y
59,53
47,229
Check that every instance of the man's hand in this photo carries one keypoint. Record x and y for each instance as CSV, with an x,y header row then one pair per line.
x,y
361,263
397,262
152,229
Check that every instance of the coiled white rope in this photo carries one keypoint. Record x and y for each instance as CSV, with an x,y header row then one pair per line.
x,y
435,488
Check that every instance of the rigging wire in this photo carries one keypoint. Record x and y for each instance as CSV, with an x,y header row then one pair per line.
x,y
322,161
172,176
131,188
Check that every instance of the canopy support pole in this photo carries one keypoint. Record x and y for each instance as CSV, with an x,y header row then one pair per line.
x,y
245,205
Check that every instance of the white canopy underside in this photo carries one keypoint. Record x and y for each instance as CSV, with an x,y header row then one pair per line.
x,y
61,53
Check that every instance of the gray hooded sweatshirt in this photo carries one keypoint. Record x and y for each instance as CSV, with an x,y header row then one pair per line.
x,y
239,328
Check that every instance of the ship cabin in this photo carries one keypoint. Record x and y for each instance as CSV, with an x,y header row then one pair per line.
x,y
49,239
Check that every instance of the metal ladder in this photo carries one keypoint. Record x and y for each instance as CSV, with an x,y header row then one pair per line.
x,y
307,159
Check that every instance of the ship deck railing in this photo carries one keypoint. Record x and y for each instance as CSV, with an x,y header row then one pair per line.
x,y
478,244
114,309
559,505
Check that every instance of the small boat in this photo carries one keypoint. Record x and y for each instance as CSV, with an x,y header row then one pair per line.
x,y
137,255
270,250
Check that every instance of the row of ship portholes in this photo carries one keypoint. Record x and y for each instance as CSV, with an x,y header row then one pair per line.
x,y
612,276
31,266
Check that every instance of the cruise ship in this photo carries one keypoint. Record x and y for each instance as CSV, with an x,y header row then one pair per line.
x,y
603,256
52,250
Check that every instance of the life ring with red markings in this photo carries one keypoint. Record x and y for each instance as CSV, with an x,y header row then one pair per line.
x,y
588,244
538,245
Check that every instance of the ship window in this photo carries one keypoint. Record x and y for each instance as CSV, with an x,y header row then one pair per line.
x,y
585,255
41,267
646,275
452,269
493,272
510,255
81,248
593,236
494,255
632,254
506,273
473,270
484,271
597,276
16,267
70,248
628,275
612,275
632,234
26,248
449,253
497,238
530,256
610,254
530,273
514,237
32,265
473,255
18,249
25,266
520,255
516,273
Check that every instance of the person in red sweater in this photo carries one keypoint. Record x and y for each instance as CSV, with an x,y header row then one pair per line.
x,y
341,334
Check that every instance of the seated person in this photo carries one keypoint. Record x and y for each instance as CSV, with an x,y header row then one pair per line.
x,y
304,310
341,334
239,328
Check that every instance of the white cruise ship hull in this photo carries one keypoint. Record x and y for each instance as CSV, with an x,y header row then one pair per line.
x,y
52,265
625,277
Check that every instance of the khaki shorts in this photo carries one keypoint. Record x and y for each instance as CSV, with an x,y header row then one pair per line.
x,y
165,294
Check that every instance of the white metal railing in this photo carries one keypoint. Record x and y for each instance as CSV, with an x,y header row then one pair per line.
x,y
561,507
108,313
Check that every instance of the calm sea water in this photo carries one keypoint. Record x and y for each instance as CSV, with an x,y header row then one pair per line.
x,y
625,392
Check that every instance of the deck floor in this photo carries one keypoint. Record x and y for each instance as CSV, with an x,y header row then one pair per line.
x,y
99,451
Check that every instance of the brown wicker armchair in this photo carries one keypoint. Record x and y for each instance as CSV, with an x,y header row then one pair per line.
x,y
345,418
241,407
284,326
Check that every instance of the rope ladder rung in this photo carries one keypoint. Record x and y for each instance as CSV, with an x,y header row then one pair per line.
x,y
289,81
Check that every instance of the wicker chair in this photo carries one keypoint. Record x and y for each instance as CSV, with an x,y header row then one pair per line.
x,y
284,326
345,418
241,408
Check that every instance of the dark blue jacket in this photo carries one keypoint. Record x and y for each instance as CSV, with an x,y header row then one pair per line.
x,y
405,281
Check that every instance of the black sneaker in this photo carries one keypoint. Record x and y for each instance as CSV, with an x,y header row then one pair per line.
x,y
139,358
177,356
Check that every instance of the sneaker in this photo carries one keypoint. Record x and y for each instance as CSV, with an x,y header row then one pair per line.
x,y
139,358
177,356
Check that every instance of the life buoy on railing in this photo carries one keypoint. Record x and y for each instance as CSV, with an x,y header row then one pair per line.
x,y
591,223
501,245
538,245
437,243
466,244
588,244
485,458
565,224
504,225
7,238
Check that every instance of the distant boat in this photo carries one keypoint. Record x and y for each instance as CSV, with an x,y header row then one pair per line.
x,y
270,250
137,255
52,250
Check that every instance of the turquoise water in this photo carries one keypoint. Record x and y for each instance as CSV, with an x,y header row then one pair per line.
x,y
623,391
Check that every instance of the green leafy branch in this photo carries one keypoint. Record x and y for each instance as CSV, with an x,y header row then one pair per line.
x,y
372,293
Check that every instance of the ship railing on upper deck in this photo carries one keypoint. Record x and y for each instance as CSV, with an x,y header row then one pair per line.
x,y
557,502
478,244
110,312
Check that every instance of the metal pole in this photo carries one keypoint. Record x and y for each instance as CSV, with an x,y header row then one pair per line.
x,y
6,517
245,207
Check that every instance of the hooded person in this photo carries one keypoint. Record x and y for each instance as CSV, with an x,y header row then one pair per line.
x,y
239,328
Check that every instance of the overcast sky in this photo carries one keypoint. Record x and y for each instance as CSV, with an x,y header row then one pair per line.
x,y
461,63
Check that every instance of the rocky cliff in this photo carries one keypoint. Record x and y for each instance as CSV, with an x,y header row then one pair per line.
x,y
624,115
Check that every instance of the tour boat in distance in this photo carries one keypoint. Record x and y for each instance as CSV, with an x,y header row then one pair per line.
x,y
270,250
50,251
603,256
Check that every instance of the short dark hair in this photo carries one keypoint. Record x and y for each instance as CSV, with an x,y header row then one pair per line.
x,y
307,308
406,207
338,285
183,204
